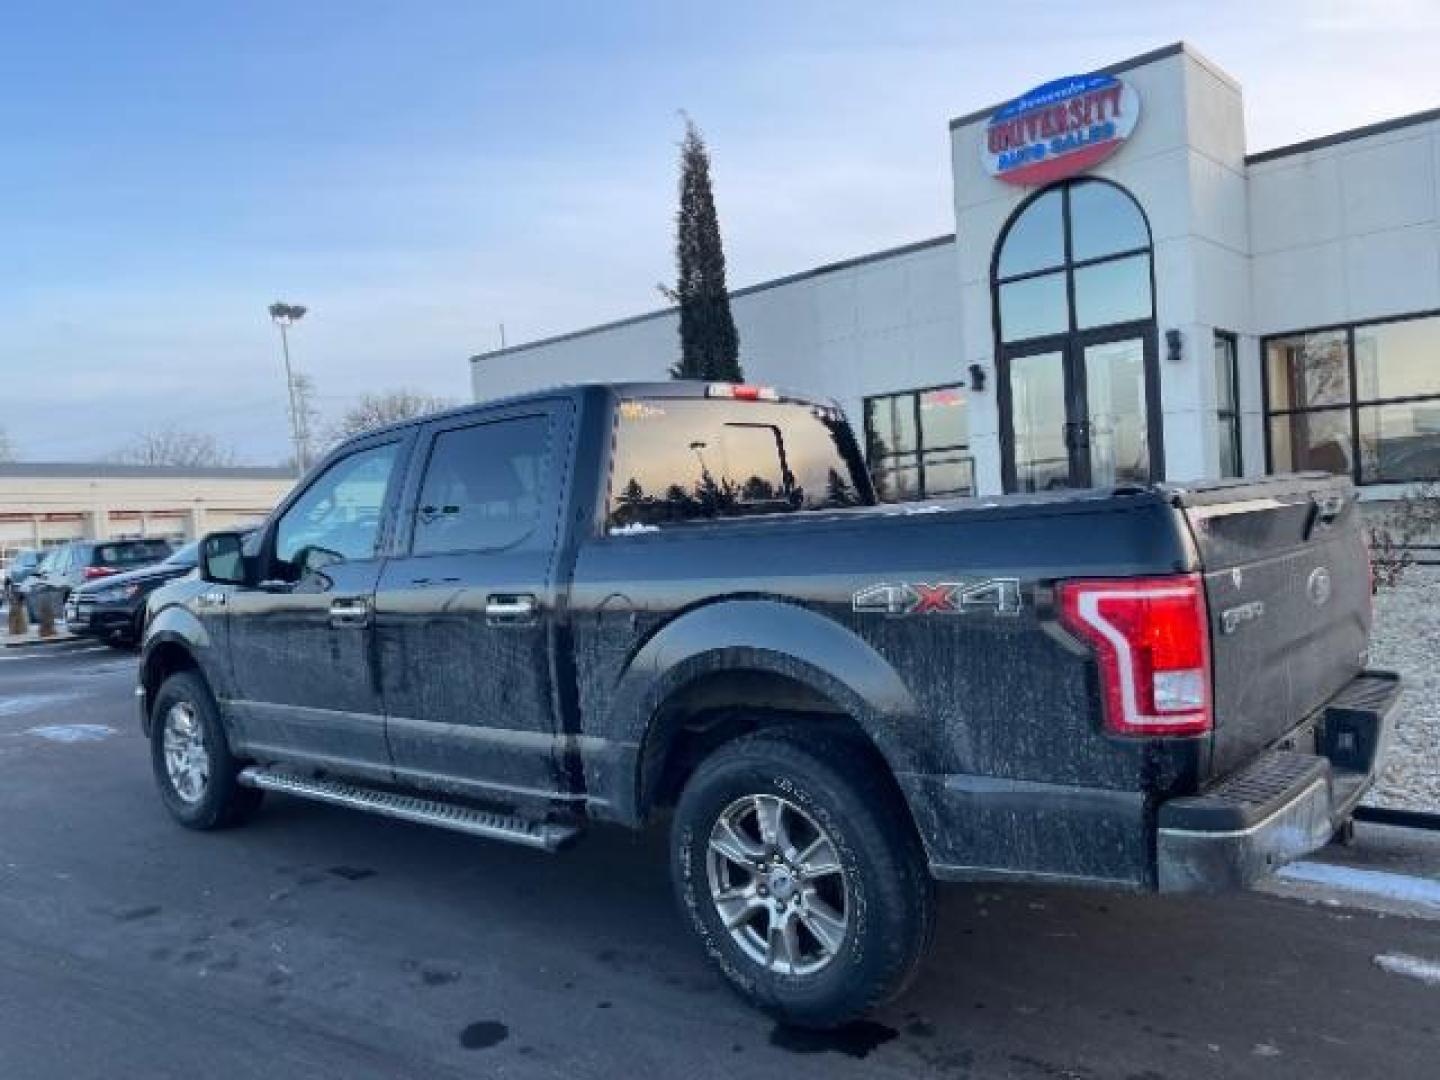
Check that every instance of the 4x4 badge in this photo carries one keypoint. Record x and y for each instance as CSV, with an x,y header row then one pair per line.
x,y
999,596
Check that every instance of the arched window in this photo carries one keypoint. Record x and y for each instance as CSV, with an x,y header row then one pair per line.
x,y
1075,257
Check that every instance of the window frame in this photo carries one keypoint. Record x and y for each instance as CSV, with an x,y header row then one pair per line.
x,y
921,450
1353,405
1231,418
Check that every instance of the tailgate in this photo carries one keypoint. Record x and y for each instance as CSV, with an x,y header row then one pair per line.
x,y
1288,584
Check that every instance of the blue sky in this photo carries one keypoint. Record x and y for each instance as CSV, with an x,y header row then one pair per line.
x,y
418,173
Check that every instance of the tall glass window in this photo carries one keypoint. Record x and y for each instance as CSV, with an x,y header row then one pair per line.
x,y
1077,257
1362,400
918,444
1227,402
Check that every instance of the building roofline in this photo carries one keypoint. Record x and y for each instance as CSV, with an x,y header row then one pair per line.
x,y
1173,49
789,279
68,470
1321,142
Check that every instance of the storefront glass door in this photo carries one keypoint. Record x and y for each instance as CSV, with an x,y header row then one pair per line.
x,y
1078,413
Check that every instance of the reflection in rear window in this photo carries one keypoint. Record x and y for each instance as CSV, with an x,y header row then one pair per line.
x,y
680,459
130,552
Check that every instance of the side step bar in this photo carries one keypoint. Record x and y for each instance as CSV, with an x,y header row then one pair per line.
x,y
542,835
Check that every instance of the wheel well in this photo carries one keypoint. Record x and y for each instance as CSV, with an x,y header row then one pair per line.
x,y
165,660
718,708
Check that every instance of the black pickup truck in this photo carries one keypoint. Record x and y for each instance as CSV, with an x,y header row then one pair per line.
x,y
612,603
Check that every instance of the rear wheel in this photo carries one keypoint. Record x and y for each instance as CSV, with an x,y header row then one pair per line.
x,y
795,863
193,766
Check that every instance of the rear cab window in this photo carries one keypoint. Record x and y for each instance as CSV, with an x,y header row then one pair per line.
x,y
679,460
130,553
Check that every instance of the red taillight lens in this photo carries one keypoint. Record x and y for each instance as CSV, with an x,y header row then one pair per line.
x,y
1151,638
92,572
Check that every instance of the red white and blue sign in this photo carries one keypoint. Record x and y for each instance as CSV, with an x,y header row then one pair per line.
x,y
1059,129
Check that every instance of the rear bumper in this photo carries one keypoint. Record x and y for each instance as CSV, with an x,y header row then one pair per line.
x,y
1286,803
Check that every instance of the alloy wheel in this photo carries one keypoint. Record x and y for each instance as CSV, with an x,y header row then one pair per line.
x,y
778,885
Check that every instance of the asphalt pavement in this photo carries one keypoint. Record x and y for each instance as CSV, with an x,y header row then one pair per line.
x,y
318,942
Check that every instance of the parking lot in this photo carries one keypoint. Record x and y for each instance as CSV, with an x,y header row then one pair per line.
x,y
321,943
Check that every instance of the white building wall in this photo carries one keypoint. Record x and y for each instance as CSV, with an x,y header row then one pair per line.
x,y
39,510
883,323
1347,232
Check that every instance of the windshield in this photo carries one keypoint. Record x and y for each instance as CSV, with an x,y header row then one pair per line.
x,y
189,555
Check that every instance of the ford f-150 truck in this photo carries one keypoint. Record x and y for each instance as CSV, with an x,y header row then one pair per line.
x,y
621,602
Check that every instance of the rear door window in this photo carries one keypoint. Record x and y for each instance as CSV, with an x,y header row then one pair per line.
x,y
485,486
130,553
679,460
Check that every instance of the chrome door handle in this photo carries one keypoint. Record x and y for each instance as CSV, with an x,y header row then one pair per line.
x,y
350,611
510,608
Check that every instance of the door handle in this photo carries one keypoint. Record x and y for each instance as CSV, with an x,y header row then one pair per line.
x,y
510,608
350,611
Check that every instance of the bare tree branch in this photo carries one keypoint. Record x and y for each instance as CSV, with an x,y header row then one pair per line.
x,y
387,407
174,446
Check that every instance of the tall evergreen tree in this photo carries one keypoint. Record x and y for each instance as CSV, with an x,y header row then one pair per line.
x,y
709,343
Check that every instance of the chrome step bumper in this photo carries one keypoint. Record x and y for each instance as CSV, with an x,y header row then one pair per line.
x,y
542,835
1284,804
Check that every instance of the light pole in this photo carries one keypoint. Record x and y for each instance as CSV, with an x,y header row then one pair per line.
x,y
285,316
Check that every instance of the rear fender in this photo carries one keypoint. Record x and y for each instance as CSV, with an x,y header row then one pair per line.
x,y
751,636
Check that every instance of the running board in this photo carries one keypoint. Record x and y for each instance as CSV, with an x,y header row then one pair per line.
x,y
543,835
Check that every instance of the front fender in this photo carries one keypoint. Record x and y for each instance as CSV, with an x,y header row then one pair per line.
x,y
753,635
175,627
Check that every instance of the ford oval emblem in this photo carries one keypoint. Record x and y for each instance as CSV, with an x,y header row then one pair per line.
x,y
1318,587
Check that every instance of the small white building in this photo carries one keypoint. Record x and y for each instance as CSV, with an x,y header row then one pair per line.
x,y
1129,294
42,503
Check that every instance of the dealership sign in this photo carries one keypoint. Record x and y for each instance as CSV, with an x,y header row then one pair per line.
x,y
1059,129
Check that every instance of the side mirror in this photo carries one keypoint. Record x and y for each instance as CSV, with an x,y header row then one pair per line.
x,y
222,558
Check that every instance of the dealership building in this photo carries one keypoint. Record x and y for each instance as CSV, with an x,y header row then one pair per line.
x,y
1130,293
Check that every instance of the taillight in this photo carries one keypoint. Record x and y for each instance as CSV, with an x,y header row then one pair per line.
x,y
1151,638
92,572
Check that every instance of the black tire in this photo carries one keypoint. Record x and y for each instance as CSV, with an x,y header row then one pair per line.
x,y
889,897
222,802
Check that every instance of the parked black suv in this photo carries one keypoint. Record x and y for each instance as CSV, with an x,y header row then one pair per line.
x,y
71,565
113,607
607,603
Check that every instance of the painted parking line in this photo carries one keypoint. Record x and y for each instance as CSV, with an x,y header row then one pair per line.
x,y
1378,884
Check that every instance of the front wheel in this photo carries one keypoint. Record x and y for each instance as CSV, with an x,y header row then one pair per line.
x,y
193,766
796,865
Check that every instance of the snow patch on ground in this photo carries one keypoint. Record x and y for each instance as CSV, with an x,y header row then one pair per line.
x,y
24,703
1406,638
1402,888
1427,971
72,733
